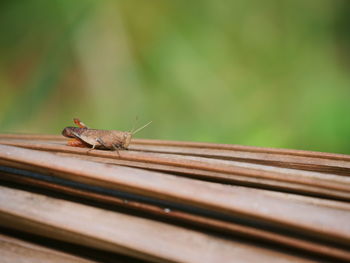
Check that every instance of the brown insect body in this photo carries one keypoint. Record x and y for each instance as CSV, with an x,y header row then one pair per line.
x,y
100,139
105,139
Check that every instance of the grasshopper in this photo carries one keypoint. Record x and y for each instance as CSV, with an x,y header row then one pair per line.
x,y
82,136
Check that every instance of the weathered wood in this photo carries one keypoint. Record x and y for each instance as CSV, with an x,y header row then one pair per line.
x,y
322,222
262,210
208,223
116,232
16,250
242,173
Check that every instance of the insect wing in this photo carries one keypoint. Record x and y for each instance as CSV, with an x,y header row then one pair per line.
x,y
84,138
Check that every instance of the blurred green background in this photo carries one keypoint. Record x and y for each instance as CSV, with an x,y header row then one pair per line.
x,y
266,73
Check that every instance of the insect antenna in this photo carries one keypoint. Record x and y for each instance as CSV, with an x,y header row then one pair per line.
x,y
139,129
133,125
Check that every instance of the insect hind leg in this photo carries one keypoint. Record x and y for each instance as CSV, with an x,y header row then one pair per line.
x,y
116,147
100,141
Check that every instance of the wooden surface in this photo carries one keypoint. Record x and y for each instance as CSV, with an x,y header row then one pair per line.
x,y
179,201
121,233
15,250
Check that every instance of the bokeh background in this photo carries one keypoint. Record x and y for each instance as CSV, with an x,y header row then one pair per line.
x,y
265,73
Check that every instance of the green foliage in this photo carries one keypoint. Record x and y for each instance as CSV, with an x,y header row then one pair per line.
x,y
266,73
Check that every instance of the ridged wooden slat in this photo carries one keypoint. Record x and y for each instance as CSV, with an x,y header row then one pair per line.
x,y
312,183
16,250
182,145
259,176
250,203
235,204
310,160
313,161
197,220
116,232
242,148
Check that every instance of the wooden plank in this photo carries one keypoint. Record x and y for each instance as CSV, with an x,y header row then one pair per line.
x,y
299,159
242,148
177,145
232,178
208,223
322,222
116,232
290,180
16,250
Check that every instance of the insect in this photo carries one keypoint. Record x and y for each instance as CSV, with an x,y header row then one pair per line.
x,y
82,136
